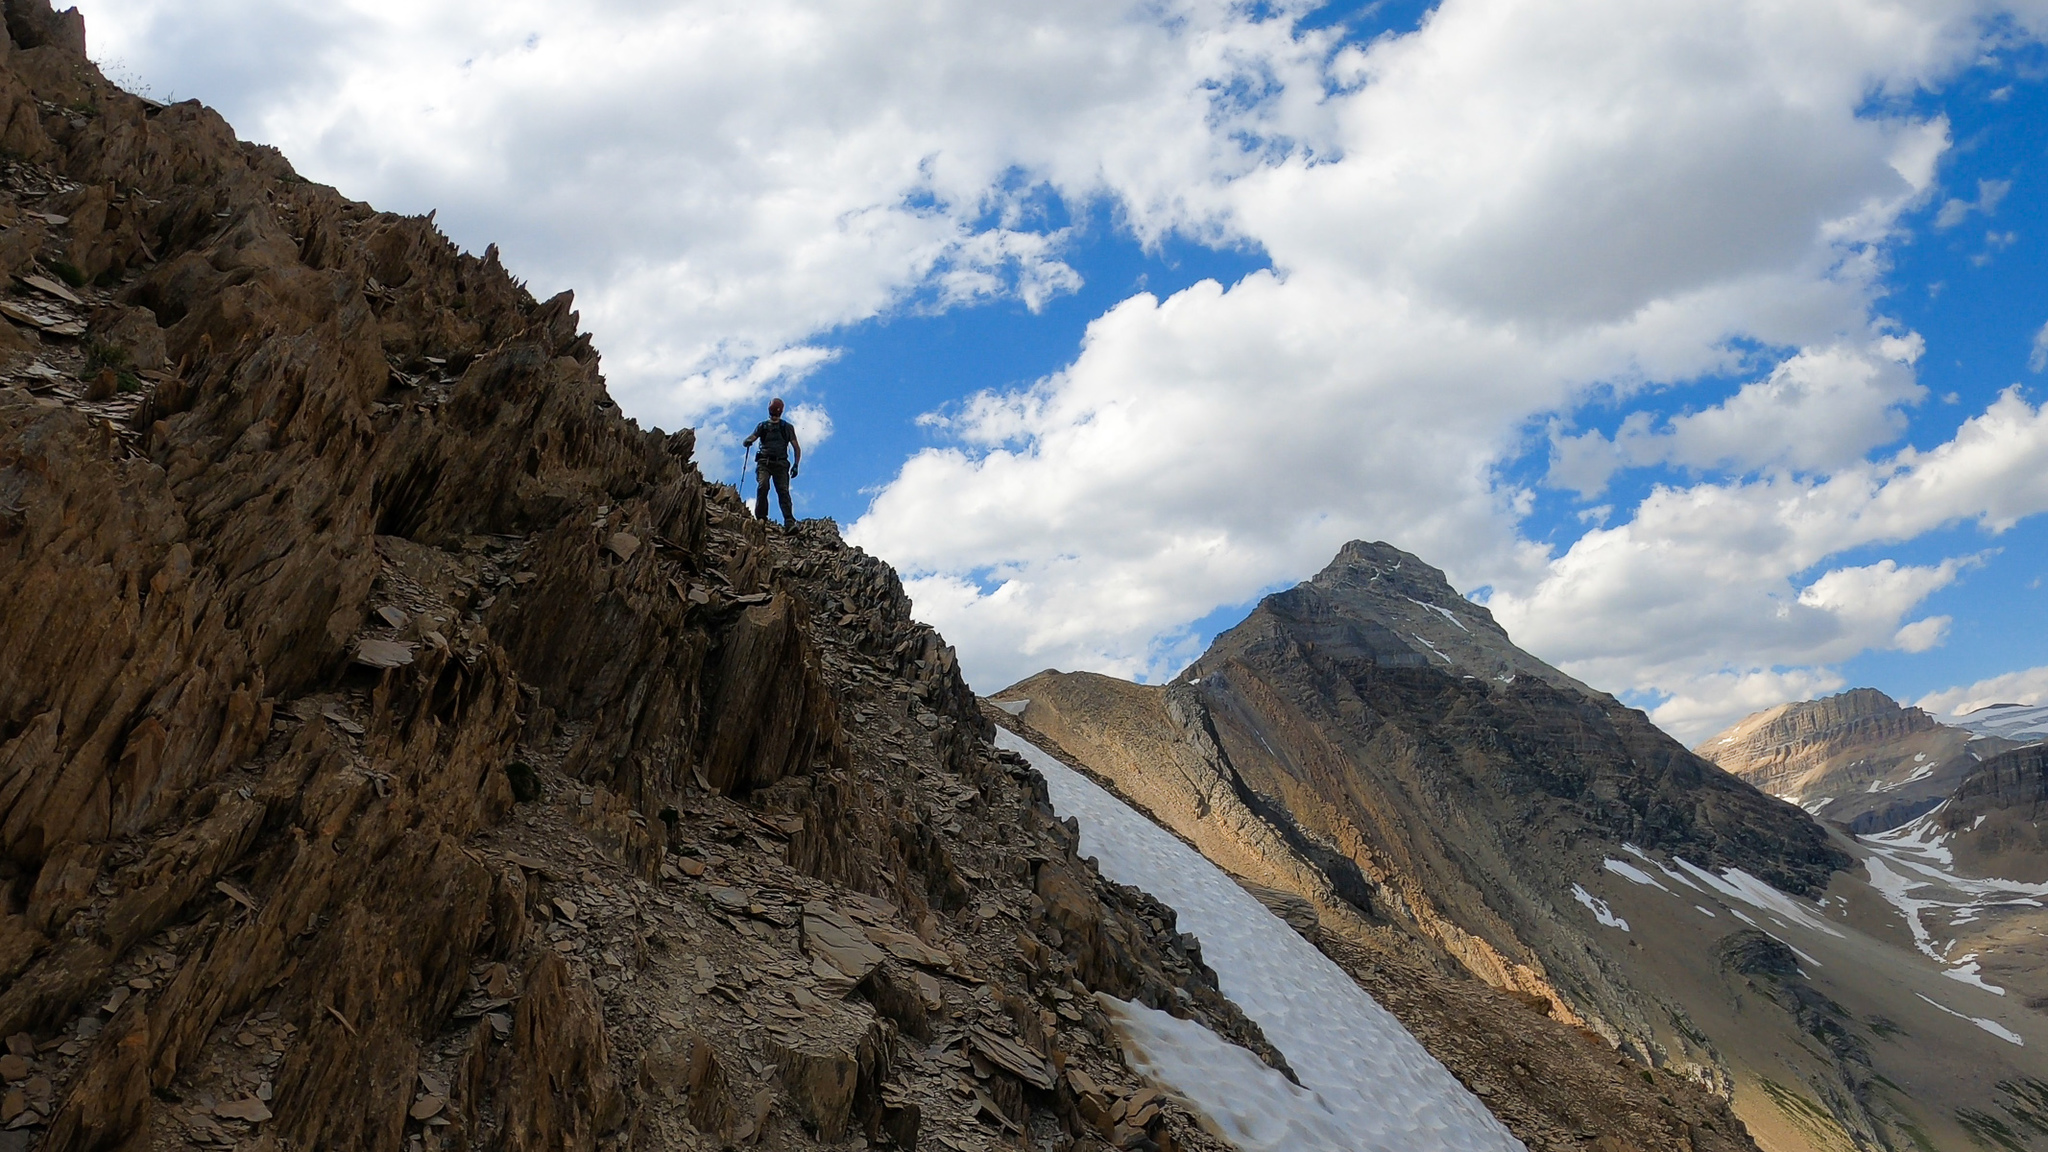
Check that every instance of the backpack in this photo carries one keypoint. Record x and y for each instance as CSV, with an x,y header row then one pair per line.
x,y
774,437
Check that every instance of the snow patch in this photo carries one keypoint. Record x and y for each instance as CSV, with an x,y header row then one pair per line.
x,y
1633,874
1433,648
1446,613
1659,865
1736,884
1598,908
1991,1026
1921,836
1368,1080
1254,1107
1910,867
1968,972
2024,723
1703,908
1898,889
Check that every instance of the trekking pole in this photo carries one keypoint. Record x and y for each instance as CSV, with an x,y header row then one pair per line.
x,y
740,485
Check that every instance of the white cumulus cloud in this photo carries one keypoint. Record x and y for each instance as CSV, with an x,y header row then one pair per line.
x,y
726,181
1921,635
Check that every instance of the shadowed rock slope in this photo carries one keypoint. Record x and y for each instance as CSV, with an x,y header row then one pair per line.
x,y
401,749
1992,820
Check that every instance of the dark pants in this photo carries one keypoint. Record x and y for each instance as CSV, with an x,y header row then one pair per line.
x,y
764,471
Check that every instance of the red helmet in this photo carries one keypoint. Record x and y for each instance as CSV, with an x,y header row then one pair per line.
x,y
775,406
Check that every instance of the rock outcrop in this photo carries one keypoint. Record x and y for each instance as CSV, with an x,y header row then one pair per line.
x,y
401,749
1993,818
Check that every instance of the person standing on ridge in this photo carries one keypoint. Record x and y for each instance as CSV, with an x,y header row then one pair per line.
x,y
777,461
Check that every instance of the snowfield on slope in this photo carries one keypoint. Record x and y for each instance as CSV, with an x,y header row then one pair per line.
x,y
2024,723
1370,1085
1913,859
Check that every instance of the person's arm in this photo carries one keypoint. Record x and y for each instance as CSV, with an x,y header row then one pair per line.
x,y
796,453
749,441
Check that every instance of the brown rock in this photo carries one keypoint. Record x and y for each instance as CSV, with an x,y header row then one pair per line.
x,y
134,332
383,653
832,936
830,1070
563,1087
895,994
664,1071
1012,1057
64,884
711,1107
755,1123
498,983
250,1109
900,1122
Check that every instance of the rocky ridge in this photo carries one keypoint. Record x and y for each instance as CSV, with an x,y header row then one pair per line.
x,y
401,749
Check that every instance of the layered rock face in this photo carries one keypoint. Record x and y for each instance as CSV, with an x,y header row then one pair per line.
x,y
1858,758
1993,818
401,749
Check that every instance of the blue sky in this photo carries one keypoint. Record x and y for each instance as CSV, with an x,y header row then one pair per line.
x,y
1681,334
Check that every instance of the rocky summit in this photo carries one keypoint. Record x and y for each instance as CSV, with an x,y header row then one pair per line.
x,y
400,749
1464,826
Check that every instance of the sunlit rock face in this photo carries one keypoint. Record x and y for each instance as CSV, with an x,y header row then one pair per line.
x,y
1858,758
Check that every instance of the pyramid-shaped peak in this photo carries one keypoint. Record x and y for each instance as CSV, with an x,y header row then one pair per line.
x,y
1361,563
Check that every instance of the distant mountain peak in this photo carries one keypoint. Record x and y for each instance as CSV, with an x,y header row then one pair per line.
x,y
1375,602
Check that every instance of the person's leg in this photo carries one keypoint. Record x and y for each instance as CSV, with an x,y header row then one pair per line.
x,y
782,494
761,473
